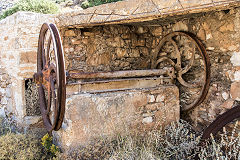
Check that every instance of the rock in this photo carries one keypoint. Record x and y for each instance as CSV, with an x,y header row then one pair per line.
x,y
138,42
76,41
115,42
141,30
144,51
151,98
235,59
121,52
237,76
151,107
201,34
28,57
147,120
157,31
160,98
230,75
134,53
235,91
69,33
225,95
228,104
180,26
88,34
227,27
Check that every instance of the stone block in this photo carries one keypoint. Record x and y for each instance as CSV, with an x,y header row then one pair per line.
x,y
227,27
235,91
69,33
157,31
72,89
95,115
121,52
28,57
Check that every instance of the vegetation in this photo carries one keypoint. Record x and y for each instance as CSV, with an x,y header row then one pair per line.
x,y
177,141
15,145
91,3
39,6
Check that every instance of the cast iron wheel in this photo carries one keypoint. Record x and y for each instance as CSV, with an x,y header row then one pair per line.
x,y
221,121
187,55
51,78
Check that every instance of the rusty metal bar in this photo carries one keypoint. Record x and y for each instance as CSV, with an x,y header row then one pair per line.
x,y
123,74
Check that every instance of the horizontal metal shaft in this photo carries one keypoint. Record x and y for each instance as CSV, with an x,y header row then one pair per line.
x,y
122,74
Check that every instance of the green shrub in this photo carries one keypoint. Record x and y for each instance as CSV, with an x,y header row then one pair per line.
x,y
50,148
39,6
91,3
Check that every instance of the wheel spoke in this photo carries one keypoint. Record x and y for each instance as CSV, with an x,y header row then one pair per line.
x,y
48,50
187,68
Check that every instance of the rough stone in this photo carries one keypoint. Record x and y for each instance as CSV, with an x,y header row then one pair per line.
x,y
28,57
235,91
180,26
69,33
237,76
201,34
152,107
225,95
160,98
151,98
228,104
121,52
147,120
157,31
235,59
227,27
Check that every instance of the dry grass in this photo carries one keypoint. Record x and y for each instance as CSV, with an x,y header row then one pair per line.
x,y
177,141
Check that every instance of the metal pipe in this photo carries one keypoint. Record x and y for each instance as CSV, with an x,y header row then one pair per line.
x,y
122,74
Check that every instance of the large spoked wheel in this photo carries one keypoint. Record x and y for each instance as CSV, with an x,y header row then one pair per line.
x,y
188,56
50,77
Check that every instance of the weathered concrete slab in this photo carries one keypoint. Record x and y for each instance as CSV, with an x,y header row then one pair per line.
x,y
130,11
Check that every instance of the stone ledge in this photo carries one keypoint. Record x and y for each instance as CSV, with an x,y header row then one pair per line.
x,y
130,11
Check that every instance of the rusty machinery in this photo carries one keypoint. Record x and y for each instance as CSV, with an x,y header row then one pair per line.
x,y
178,57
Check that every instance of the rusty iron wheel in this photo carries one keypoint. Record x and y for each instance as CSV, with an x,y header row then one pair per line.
x,y
187,55
221,121
51,77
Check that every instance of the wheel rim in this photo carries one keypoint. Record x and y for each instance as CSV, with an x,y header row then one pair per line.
x,y
51,69
187,55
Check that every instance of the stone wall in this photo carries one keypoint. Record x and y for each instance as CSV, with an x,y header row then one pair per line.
x,y
129,46
106,48
18,46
